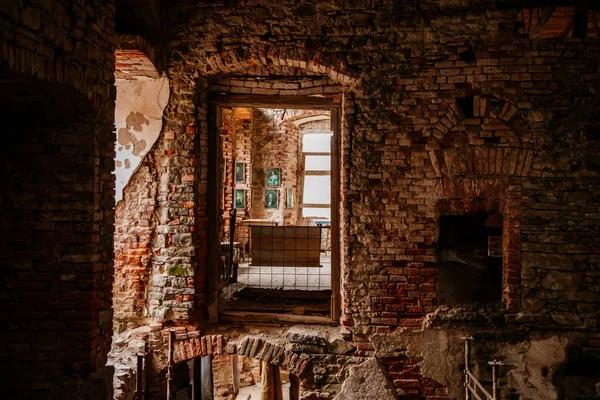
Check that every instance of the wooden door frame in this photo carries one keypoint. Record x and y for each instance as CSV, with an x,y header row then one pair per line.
x,y
215,102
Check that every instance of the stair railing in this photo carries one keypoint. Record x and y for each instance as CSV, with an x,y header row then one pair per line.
x,y
473,388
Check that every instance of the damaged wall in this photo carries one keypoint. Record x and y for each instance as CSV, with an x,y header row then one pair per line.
x,y
411,154
56,74
138,120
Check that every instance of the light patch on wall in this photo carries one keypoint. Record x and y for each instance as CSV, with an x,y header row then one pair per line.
x,y
135,121
138,119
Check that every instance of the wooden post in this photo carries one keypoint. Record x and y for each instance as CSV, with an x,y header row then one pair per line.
x,y
294,387
271,387
213,234
335,215
235,372
206,378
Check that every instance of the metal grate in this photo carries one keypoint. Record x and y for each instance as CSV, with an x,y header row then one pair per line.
x,y
263,255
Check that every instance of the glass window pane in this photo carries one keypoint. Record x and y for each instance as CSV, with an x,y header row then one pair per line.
x,y
317,212
318,163
316,143
317,190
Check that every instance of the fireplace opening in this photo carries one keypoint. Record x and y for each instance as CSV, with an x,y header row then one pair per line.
x,y
470,257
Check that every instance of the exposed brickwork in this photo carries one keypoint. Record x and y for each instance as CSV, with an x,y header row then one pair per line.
x,y
409,156
59,259
134,229
275,145
409,382
236,139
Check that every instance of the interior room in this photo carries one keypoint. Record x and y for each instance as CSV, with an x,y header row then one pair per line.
x,y
276,209
300,199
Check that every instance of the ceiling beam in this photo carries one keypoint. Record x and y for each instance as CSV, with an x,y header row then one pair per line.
x,y
542,20
520,4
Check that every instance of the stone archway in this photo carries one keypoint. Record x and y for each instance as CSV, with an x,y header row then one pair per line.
x,y
193,345
223,354
264,59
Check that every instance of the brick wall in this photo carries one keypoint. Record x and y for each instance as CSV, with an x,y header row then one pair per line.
x,y
275,145
236,139
59,252
410,152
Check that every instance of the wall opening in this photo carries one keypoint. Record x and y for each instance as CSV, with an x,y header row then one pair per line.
x,y
275,207
470,257
271,241
242,378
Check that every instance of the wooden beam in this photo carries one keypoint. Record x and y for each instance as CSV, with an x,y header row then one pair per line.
x,y
317,173
235,374
314,153
541,21
336,189
269,101
245,317
213,200
312,295
308,205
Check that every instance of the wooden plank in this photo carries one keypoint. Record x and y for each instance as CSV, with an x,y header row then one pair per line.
x,y
317,173
235,374
213,239
272,318
314,153
312,205
272,101
281,306
257,222
336,189
320,295
286,246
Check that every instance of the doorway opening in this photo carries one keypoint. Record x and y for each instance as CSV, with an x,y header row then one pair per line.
x,y
275,215
242,378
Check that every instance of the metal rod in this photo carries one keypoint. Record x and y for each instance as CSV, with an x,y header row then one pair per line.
x,y
494,381
170,364
495,367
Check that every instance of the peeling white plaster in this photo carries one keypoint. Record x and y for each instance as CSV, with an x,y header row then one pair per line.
x,y
138,120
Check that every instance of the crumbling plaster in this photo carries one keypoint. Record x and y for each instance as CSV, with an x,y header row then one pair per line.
x,y
138,120
530,360
366,381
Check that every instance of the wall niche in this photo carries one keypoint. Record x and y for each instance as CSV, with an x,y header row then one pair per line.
x,y
470,259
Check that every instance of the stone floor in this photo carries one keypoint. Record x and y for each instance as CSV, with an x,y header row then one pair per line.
x,y
253,392
286,278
